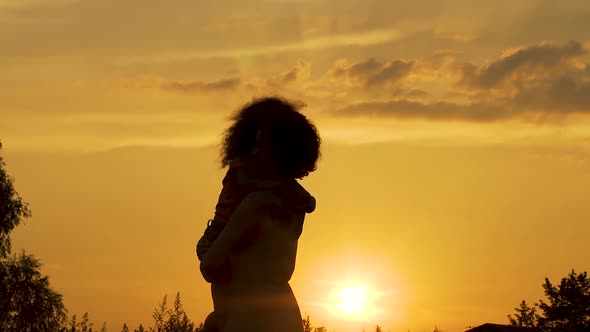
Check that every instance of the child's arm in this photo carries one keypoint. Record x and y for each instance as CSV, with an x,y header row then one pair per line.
x,y
248,214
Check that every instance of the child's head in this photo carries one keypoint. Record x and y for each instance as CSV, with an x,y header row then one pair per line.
x,y
275,127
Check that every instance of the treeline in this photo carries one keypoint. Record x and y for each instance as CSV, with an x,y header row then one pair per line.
x,y
166,318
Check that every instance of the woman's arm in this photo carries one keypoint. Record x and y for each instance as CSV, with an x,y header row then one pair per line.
x,y
249,213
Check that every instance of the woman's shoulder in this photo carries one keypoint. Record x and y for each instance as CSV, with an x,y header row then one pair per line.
x,y
295,196
264,198
289,196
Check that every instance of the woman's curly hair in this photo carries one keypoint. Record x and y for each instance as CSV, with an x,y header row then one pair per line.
x,y
292,140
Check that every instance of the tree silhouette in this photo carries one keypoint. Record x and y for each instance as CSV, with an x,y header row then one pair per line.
x,y
159,315
171,319
83,326
307,327
525,316
12,208
73,325
568,305
28,303
306,324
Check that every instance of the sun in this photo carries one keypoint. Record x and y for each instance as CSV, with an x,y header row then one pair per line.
x,y
352,299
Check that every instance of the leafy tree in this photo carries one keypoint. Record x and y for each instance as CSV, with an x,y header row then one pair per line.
x,y
28,303
525,316
569,303
125,328
378,329
140,329
12,209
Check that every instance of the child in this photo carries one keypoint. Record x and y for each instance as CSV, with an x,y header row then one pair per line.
x,y
238,182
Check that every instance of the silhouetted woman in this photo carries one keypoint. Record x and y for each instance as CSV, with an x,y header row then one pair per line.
x,y
248,251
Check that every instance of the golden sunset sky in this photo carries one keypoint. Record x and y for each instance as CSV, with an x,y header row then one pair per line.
x,y
456,159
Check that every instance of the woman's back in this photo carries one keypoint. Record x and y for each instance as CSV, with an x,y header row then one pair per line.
x,y
262,299
270,257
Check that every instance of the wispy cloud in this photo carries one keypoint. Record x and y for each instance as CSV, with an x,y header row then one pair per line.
x,y
368,38
408,109
190,87
299,72
372,72
20,4
525,60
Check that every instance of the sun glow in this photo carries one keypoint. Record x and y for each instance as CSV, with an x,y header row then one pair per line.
x,y
352,299
355,301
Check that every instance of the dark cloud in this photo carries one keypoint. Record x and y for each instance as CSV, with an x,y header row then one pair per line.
x,y
548,100
372,72
391,72
289,76
190,87
562,95
538,82
540,57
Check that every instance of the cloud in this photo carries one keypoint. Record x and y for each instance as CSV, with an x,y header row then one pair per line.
x,y
408,109
21,4
300,72
191,87
549,99
417,94
562,95
525,61
372,72
541,82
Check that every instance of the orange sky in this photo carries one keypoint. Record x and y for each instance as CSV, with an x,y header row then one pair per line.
x,y
456,162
